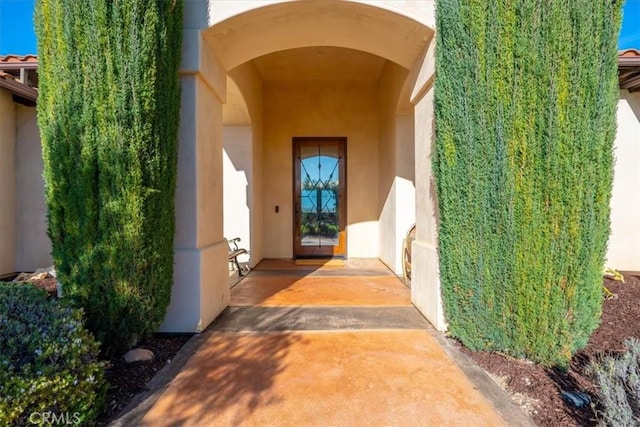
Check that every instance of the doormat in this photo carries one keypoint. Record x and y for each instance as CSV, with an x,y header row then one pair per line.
x,y
327,262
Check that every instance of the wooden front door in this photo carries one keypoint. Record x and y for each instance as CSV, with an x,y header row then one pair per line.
x,y
320,197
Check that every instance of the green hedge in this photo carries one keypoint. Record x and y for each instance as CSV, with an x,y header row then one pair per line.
x,y
48,360
108,114
525,98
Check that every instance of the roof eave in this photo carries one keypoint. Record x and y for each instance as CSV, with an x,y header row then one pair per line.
x,y
16,88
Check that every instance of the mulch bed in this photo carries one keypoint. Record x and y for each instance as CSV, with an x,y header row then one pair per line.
x,y
537,390
126,380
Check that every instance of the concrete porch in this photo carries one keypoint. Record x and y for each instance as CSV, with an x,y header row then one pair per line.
x,y
322,345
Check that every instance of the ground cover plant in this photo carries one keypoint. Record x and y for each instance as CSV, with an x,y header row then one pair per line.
x,y
618,381
525,100
48,360
108,111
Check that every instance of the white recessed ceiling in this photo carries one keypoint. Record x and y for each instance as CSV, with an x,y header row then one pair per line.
x,y
320,63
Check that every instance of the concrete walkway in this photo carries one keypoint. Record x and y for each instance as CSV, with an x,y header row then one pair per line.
x,y
319,346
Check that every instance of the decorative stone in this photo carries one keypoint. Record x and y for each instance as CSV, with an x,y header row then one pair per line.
x,y
51,271
39,276
138,355
22,277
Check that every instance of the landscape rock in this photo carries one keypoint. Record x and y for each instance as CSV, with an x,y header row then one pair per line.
x,y
43,278
39,276
22,277
51,271
138,355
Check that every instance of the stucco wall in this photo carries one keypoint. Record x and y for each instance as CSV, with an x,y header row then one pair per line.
x,y
420,10
321,108
249,84
404,185
623,251
395,190
237,165
33,247
7,183
389,89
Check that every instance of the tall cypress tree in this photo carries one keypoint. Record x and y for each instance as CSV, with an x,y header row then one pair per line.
x,y
108,113
525,98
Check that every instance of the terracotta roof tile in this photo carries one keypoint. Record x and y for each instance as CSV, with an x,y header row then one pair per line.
x,y
15,68
629,69
4,75
629,53
12,59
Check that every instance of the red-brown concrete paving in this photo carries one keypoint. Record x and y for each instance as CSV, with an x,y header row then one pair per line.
x,y
320,291
321,378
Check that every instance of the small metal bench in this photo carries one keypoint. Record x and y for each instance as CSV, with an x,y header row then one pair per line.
x,y
234,252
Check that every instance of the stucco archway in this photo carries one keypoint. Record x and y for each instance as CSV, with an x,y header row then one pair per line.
x,y
235,36
249,34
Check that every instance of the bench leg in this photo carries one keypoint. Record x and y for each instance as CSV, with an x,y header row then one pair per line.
x,y
235,260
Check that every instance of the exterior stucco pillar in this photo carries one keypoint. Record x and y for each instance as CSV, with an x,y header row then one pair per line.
x,y
200,288
426,294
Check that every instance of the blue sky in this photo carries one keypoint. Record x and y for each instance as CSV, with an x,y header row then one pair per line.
x,y
16,26
630,32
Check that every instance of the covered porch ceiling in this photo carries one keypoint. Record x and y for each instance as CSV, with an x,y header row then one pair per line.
x,y
315,63
320,63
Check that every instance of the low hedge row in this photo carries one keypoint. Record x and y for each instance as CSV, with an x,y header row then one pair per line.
x,y
49,364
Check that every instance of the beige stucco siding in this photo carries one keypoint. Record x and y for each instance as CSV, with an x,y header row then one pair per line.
x,y
321,108
33,247
249,86
623,251
420,10
396,187
7,183
237,165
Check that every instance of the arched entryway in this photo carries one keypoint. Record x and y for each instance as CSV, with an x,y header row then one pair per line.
x,y
335,69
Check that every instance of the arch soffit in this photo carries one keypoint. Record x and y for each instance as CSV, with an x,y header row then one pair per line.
x,y
235,111
291,25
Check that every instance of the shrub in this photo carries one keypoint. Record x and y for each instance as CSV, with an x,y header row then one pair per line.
x,y
525,101
108,113
618,382
48,360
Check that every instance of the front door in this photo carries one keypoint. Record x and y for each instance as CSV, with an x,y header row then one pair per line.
x,y
319,197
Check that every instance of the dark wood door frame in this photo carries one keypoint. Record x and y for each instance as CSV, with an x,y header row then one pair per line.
x,y
339,251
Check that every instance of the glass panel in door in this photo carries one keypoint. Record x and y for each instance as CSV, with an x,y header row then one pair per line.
x,y
319,198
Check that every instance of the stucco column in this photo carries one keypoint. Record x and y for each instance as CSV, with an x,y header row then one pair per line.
x,y
7,183
425,274
200,289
